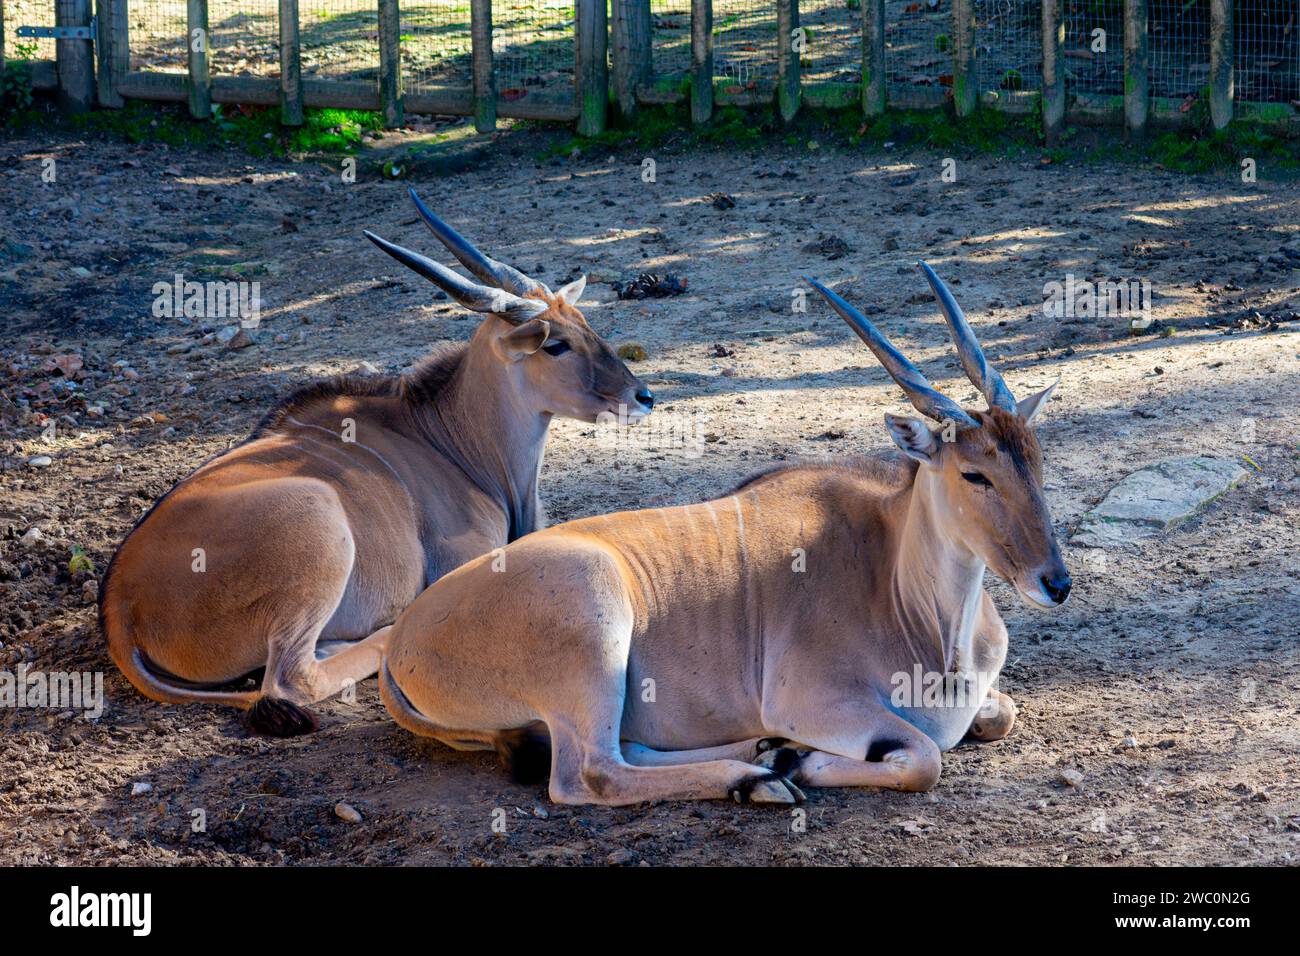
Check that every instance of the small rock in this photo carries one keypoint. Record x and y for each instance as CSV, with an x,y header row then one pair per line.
x,y
347,812
139,788
32,538
540,813
1155,499
234,337
832,247
632,352
1070,778
1129,741
40,461
651,285
621,858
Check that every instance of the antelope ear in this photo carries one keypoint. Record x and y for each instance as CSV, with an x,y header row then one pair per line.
x,y
913,436
572,292
1031,406
523,340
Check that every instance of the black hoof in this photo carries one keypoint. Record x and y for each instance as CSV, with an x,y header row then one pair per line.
x,y
784,761
525,754
276,717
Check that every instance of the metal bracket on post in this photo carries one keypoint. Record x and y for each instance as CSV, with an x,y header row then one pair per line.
x,y
90,32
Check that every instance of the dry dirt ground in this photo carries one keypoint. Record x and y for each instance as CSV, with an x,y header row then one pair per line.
x,y
1168,684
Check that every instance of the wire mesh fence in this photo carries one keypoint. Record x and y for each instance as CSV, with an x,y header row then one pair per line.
x,y
245,37
436,44
28,13
918,46
1094,46
1179,33
1266,50
670,36
533,48
339,39
156,30
832,32
744,43
1009,45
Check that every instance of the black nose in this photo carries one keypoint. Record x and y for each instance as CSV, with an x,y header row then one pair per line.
x,y
645,397
1057,586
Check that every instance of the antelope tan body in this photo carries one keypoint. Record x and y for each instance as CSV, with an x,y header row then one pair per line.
x,y
296,549
665,653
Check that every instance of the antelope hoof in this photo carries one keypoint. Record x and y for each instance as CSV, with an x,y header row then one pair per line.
x,y
277,717
768,788
783,761
995,719
771,743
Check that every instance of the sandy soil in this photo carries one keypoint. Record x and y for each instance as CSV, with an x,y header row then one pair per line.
x,y
1169,682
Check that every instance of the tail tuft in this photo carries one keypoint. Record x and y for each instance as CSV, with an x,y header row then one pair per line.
x,y
277,717
525,753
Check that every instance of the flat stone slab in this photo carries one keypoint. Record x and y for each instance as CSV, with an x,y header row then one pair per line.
x,y
1156,499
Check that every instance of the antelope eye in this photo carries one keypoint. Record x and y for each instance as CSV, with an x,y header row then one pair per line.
x,y
555,346
975,478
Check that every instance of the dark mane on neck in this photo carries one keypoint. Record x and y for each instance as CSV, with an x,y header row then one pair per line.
x,y
421,386
429,379
885,466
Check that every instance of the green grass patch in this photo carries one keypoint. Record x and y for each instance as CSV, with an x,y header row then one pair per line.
x,y
255,130
655,127
1207,151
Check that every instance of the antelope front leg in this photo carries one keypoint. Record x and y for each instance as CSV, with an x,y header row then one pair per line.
x,y
995,718
897,757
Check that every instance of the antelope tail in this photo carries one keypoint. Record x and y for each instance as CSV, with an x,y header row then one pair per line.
x,y
401,709
146,677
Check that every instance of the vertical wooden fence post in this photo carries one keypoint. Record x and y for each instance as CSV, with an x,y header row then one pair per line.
x,y
75,58
197,43
874,86
1053,72
111,50
787,58
1137,70
290,65
390,63
701,61
485,93
593,66
965,85
1221,91
633,58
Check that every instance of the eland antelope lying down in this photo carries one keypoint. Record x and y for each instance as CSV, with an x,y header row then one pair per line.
x,y
294,550
661,654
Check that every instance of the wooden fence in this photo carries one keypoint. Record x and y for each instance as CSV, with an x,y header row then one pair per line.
x,y
614,60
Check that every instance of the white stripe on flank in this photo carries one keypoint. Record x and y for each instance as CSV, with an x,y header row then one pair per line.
x,y
382,459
